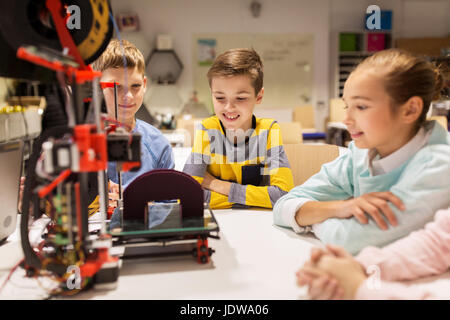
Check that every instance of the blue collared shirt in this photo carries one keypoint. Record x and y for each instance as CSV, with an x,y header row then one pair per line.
x,y
156,153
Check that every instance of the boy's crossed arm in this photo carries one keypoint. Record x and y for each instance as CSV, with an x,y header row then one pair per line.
x,y
213,184
226,193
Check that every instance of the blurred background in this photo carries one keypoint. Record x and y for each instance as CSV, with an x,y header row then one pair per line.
x,y
308,50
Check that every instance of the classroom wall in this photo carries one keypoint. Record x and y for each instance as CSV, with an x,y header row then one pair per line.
x,y
323,18
181,19
411,19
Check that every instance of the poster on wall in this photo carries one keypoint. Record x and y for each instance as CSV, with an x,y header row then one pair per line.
x,y
128,22
206,51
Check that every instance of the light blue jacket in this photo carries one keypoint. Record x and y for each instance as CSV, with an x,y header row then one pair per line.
x,y
156,153
422,183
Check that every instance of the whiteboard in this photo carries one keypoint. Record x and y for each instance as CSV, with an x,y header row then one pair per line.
x,y
287,60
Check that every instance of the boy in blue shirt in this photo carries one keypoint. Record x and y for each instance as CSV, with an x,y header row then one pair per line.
x,y
156,152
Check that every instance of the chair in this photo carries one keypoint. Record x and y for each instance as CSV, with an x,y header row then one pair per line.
x,y
187,126
336,130
307,159
441,120
337,111
280,114
305,116
291,132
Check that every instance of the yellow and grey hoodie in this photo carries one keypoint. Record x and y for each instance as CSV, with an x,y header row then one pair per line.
x,y
258,167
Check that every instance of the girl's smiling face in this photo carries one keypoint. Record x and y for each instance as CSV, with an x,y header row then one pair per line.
x,y
370,118
234,100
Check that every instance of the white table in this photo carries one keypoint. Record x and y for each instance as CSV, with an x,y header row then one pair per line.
x,y
253,260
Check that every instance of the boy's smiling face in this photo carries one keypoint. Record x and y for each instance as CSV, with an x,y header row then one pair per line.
x,y
234,100
130,93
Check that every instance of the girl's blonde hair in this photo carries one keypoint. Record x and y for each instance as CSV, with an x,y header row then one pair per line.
x,y
406,75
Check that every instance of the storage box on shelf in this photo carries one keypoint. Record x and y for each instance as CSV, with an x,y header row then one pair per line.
x,y
355,46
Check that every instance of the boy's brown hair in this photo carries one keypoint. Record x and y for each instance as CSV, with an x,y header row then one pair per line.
x,y
237,62
113,57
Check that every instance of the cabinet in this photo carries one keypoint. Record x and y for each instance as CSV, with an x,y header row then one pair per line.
x,y
355,46
164,66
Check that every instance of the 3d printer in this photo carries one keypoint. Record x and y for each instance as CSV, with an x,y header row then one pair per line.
x,y
68,160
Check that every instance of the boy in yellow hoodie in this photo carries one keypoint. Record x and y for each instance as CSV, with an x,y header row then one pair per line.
x,y
237,158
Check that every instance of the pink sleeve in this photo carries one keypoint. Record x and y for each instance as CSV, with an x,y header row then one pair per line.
x,y
391,291
423,253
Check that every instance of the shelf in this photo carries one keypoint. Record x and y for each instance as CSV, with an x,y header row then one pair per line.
x,y
164,66
363,41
